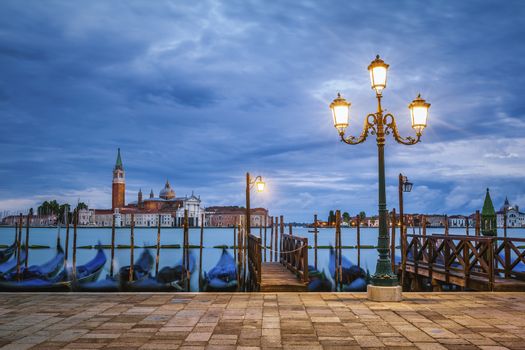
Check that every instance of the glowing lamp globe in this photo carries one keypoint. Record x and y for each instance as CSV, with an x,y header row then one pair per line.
x,y
419,114
378,69
259,185
340,113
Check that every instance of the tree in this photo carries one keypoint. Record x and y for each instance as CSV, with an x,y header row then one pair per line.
x,y
331,217
81,205
362,215
346,217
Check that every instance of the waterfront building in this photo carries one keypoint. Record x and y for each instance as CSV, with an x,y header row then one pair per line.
x,y
435,220
515,218
36,220
457,221
488,217
147,211
229,216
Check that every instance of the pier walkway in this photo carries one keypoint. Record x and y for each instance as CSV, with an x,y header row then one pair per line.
x,y
290,274
261,321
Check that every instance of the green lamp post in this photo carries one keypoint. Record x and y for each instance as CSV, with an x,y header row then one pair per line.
x,y
380,125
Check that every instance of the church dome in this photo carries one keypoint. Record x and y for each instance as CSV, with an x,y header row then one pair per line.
x,y
167,192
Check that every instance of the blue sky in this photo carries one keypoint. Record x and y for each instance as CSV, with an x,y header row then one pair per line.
x,y
201,92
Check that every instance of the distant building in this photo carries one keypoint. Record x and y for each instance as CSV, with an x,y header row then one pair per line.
x,y
435,220
146,211
457,221
229,216
36,220
488,217
515,218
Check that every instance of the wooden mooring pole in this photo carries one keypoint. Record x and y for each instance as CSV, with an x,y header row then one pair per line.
x,y
235,241
338,250
186,252
18,246
66,219
28,223
281,238
157,256
74,265
132,247
112,245
276,244
424,217
393,241
265,227
446,225
271,238
466,227
478,223
505,222
200,249
358,224
315,241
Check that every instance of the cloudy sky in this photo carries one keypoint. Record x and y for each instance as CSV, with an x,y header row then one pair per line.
x,y
202,91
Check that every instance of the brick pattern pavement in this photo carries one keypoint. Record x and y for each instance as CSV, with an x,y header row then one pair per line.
x,y
261,321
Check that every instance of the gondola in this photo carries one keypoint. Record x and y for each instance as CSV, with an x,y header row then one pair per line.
x,y
120,282
63,281
7,253
223,276
44,271
354,278
169,278
318,282
10,264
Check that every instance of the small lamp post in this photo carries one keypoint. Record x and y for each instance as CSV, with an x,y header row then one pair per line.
x,y
381,124
259,187
403,186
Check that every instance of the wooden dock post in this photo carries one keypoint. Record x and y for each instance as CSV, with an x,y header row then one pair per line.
x,y
467,223
478,223
112,245
186,253
338,250
315,241
75,223
132,247
290,229
281,238
66,219
424,217
393,241
235,241
446,225
358,224
18,246
271,239
420,224
276,234
28,223
239,254
200,250
157,256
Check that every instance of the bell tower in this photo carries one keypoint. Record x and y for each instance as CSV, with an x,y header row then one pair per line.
x,y
119,184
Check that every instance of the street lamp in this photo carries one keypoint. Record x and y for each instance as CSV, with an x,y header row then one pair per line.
x,y
403,186
381,125
259,186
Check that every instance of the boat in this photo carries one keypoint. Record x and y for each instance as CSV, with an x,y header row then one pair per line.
x,y
318,282
44,271
169,278
354,278
120,282
11,264
223,276
64,281
7,253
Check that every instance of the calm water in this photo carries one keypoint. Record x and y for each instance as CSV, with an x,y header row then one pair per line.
x,y
212,237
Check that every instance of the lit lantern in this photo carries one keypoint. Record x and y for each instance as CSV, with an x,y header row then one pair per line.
x,y
340,113
259,185
378,69
419,113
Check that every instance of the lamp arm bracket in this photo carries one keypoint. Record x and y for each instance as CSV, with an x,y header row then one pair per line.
x,y
368,124
390,122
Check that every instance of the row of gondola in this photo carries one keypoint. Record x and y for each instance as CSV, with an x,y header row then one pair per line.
x,y
55,275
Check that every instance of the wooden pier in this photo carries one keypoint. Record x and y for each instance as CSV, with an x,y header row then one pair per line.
x,y
290,274
470,262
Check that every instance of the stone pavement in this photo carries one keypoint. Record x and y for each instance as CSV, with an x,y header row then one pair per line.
x,y
261,320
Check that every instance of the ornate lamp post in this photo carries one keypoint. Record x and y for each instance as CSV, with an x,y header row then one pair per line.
x,y
381,124
403,186
259,186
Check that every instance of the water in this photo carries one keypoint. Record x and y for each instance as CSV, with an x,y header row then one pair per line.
x,y
212,237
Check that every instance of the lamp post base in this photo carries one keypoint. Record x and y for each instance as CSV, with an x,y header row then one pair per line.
x,y
382,293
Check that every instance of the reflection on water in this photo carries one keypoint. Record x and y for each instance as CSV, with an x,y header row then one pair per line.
x,y
212,237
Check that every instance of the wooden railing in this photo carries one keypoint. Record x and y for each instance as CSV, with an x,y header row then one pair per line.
x,y
254,261
294,255
510,258
466,260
